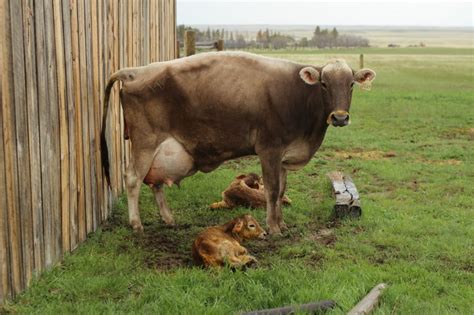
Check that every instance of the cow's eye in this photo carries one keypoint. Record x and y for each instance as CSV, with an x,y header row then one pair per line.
x,y
252,226
323,84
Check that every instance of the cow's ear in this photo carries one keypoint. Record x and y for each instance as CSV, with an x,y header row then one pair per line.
x,y
309,75
238,226
364,77
242,176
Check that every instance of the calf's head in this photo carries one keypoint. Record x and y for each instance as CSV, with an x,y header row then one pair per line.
x,y
246,227
337,80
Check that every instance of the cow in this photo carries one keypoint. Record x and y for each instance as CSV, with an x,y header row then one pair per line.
x,y
194,113
220,245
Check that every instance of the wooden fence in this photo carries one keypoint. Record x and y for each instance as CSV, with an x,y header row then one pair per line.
x,y
56,58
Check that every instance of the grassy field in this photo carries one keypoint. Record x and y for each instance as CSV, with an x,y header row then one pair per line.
x,y
410,152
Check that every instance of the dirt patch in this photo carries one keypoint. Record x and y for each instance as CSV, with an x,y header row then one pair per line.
x,y
441,162
166,247
325,237
365,155
455,133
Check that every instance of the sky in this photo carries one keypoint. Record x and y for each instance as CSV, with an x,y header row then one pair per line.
x,y
349,12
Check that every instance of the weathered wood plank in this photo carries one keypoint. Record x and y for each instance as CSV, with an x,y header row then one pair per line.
x,y
22,141
54,153
90,119
5,287
83,217
78,221
117,126
34,134
63,128
96,113
71,127
10,152
45,130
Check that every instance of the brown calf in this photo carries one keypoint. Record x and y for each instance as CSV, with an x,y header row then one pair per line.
x,y
220,245
245,191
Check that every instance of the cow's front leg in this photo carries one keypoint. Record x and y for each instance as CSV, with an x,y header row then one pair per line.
x,y
283,177
165,212
271,168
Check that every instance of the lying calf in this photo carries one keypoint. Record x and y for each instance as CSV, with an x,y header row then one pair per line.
x,y
220,245
245,191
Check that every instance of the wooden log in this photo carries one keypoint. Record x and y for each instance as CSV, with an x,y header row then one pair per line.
x,y
189,43
347,197
369,302
303,308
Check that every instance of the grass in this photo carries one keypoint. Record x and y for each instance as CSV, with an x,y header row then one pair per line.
x,y
410,152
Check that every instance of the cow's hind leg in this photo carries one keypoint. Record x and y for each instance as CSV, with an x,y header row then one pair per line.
x,y
134,175
165,212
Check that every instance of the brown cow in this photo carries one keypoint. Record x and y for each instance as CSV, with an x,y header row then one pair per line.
x,y
194,113
220,244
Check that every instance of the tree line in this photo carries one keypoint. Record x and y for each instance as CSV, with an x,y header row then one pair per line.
x,y
269,39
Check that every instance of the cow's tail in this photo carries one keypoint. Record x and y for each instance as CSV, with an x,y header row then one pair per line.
x,y
121,75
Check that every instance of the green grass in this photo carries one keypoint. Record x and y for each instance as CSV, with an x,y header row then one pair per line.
x,y
416,232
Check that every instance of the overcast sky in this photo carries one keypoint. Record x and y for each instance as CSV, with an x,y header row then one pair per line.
x,y
389,13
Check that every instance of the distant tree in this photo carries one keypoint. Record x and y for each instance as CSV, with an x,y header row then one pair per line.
x,y
208,33
334,33
304,42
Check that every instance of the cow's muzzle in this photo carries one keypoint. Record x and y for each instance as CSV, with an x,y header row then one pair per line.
x,y
339,118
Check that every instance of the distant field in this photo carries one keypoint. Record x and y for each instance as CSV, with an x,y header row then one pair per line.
x,y
410,151
378,36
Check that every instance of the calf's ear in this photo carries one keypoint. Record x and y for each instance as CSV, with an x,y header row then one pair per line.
x,y
238,226
309,75
364,78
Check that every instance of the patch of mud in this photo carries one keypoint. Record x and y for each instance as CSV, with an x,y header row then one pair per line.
x,y
324,236
365,155
166,247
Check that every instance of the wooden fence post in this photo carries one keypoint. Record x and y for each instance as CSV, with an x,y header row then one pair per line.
x,y
220,45
361,61
189,43
177,49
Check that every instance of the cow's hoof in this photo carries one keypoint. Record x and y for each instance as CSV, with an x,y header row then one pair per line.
x,y
137,227
169,221
274,230
283,226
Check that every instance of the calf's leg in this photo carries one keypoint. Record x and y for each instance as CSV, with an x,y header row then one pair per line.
x,y
165,212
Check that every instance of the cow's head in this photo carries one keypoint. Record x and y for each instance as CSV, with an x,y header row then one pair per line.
x,y
337,80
